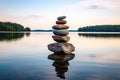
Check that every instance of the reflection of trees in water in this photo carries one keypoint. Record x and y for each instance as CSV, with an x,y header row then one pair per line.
x,y
99,35
61,63
12,36
27,34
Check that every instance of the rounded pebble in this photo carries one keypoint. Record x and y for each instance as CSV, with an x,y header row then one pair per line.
x,y
61,22
61,17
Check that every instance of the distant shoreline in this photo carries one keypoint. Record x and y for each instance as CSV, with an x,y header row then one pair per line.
x,y
51,30
69,31
100,28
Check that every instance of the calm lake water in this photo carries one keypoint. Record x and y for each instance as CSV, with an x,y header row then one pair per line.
x,y
24,56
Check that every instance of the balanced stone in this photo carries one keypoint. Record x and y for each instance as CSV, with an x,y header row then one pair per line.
x,y
61,17
61,38
60,26
64,48
61,22
62,32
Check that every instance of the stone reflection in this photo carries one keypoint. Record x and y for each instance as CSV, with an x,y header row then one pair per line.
x,y
61,63
12,36
100,35
62,49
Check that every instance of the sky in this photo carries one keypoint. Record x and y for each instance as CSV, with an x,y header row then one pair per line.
x,y
42,14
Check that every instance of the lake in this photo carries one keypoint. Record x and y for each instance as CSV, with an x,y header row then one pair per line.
x,y
24,56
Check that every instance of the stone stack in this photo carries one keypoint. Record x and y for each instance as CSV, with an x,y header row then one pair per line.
x,y
60,31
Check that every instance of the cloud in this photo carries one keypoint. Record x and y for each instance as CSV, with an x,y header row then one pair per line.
x,y
94,4
28,17
106,4
96,7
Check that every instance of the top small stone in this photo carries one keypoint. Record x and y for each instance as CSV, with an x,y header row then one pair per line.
x,y
61,17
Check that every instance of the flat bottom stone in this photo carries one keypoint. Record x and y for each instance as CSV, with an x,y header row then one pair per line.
x,y
65,48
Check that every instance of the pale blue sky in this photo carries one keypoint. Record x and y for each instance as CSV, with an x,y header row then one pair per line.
x,y
42,14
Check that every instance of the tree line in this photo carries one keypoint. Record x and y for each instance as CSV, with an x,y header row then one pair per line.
x,y
8,26
100,28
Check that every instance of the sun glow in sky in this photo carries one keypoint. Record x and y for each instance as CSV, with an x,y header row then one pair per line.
x,y
42,14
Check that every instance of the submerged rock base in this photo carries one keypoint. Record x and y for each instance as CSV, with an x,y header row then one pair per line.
x,y
63,48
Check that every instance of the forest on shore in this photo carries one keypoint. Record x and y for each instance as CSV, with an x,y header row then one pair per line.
x,y
9,26
100,28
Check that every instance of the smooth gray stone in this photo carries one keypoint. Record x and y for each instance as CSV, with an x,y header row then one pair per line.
x,y
61,17
61,48
62,32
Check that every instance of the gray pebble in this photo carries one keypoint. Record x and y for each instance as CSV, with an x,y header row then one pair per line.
x,y
61,17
